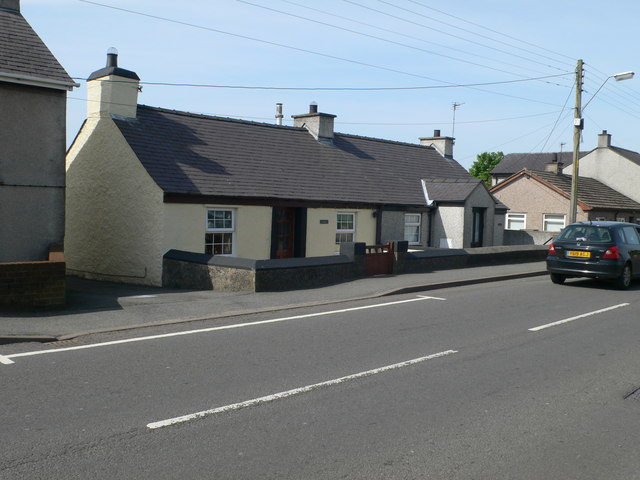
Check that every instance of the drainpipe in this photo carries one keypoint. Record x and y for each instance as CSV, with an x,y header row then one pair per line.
x,y
378,215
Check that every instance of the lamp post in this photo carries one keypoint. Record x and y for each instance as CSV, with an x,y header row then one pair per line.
x,y
578,125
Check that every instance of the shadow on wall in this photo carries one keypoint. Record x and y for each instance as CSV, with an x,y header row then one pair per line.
x,y
527,237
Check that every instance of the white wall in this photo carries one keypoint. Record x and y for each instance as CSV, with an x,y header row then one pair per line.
x,y
448,226
114,222
612,169
321,237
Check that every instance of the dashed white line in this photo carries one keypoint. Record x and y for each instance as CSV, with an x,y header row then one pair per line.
x,y
296,391
6,359
567,320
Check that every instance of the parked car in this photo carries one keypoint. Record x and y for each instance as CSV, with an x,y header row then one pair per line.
x,y
606,250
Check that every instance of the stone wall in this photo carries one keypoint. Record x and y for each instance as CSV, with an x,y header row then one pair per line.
x,y
209,272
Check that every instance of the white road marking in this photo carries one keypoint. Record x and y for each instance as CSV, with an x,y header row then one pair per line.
x,y
567,320
430,298
6,358
290,393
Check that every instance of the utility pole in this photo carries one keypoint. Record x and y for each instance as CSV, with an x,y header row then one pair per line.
x,y
455,106
578,125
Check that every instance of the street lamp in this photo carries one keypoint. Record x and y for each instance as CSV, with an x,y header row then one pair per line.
x,y
578,125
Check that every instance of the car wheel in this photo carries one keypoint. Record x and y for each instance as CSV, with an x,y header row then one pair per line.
x,y
557,278
624,280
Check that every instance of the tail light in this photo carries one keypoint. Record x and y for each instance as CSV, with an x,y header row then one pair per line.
x,y
611,253
552,249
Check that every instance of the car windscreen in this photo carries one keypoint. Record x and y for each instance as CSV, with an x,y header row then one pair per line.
x,y
586,233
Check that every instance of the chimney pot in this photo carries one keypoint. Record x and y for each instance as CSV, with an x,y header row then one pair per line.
x,y
112,57
313,107
436,133
279,115
604,139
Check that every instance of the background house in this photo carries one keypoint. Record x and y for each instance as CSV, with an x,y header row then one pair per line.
x,y
33,88
616,167
512,163
539,204
144,180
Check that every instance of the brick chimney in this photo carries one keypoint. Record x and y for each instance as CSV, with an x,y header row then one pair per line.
x,y
10,5
320,125
604,139
112,90
444,145
554,166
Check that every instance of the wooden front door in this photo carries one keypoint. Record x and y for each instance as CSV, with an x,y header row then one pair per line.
x,y
284,219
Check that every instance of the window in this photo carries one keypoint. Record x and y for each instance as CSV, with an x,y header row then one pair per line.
x,y
346,228
412,228
516,221
218,238
600,219
630,235
553,222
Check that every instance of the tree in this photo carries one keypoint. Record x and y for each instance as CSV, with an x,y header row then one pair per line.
x,y
482,167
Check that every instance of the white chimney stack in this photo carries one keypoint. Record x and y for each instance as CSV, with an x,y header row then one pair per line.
x,y
112,90
320,125
604,139
444,145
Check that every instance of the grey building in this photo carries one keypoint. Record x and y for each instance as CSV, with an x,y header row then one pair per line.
x,y
33,97
33,88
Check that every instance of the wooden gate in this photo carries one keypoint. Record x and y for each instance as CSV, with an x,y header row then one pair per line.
x,y
379,259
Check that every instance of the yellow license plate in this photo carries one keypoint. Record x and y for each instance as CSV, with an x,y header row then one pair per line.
x,y
578,253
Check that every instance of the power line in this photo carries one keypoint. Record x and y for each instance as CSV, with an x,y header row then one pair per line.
x,y
377,27
557,119
290,47
445,33
389,124
347,89
510,72
493,31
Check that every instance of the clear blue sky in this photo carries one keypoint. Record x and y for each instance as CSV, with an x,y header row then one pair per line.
x,y
399,44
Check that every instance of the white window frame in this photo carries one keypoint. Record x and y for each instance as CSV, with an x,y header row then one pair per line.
x,y
601,219
546,222
345,231
510,216
225,231
413,225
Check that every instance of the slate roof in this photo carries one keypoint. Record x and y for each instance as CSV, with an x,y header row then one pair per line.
x,y
591,192
514,162
628,154
201,155
450,189
22,52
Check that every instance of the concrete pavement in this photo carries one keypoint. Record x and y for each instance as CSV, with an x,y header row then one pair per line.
x,y
94,307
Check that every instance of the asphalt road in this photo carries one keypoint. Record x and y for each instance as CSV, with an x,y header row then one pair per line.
x,y
470,382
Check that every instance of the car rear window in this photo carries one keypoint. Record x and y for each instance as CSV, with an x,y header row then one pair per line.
x,y
630,235
585,233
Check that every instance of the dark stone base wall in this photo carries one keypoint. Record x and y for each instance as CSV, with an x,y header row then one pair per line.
x,y
277,280
26,285
207,272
